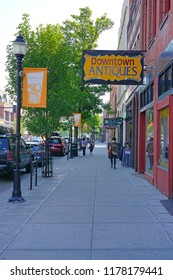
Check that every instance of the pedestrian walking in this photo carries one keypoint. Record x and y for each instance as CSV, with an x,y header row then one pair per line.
x,y
84,144
113,151
108,145
91,147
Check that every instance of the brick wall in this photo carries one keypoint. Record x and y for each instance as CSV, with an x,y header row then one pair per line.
x,y
157,33
149,178
164,32
162,181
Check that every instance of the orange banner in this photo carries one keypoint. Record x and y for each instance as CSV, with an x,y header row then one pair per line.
x,y
85,127
34,87
77,119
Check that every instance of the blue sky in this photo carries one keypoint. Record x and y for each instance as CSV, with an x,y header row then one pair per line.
x,y
53,12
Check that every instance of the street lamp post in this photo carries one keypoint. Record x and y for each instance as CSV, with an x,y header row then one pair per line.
x,y
71,153
71,136
19,50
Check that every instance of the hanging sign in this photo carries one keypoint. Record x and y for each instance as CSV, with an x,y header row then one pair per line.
x,y
85,127
34,87
112,122
113,67
77,119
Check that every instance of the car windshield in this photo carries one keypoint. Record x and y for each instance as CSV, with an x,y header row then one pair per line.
x,y
55,141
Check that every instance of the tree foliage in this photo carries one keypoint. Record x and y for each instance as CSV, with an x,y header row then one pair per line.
x,y
82,33
59,48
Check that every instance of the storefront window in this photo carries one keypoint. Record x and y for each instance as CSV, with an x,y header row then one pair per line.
x,y
129,132
149,139
151,92
147,96
164,137
168,74
162,84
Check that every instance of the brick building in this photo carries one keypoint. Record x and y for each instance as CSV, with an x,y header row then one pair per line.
x,y
122,94
134,42
156,96
7,114
113,103
111,132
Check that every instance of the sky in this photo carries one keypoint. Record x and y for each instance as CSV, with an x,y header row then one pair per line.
x,y
54,12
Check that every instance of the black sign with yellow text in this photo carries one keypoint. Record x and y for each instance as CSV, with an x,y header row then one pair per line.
x,y
113,67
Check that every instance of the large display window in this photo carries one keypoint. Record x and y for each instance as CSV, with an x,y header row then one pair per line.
x,y
149,140
164,138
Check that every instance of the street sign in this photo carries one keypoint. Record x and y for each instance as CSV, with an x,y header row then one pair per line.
x,y
112,122
113,67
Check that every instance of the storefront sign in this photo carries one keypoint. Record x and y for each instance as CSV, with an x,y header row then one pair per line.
x,y
113,67
112,122
34,87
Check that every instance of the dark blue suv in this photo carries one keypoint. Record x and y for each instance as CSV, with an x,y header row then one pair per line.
x,y
7,153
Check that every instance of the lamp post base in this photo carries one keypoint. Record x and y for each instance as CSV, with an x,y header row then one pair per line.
x,y
16,199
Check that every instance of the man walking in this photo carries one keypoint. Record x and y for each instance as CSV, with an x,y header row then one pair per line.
x,y
84,144
113,151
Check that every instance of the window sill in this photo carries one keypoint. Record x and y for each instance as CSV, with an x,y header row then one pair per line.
x,y
165,168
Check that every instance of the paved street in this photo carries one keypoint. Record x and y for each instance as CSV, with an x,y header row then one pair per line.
x,y
87,210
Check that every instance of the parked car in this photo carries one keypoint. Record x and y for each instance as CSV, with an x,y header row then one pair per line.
x,y
7,153
57,146
38,152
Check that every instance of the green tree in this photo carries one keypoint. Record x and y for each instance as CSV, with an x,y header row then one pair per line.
x,y
82,33
46,49
94,122
59,48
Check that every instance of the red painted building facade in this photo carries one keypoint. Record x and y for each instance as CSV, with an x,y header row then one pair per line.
x,y
155,119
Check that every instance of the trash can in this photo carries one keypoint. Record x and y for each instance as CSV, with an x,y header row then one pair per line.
x,y
74,149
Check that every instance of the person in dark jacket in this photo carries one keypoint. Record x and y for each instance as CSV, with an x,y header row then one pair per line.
x,y
113,151
91,147
84,144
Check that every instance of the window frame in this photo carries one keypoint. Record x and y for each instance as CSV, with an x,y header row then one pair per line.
x,y
147,95
164,81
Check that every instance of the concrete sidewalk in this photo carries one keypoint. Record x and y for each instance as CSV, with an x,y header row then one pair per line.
x,y
87,210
